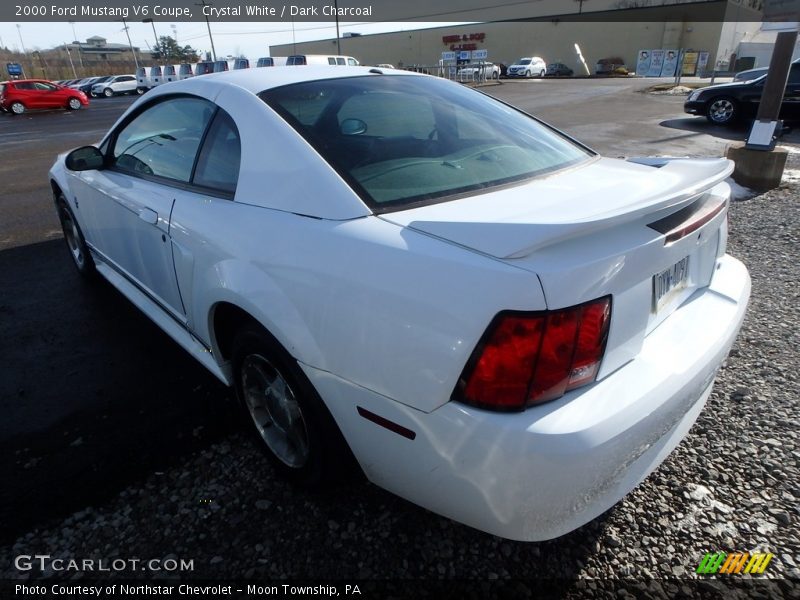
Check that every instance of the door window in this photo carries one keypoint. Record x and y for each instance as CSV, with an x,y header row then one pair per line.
x,y
163,140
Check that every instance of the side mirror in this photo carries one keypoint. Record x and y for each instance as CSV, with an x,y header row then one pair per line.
x,y
85,158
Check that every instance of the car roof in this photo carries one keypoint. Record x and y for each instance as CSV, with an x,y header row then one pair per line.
x,y
258,80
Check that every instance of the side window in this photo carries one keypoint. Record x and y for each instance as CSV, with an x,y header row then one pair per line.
x,y
218,165
163,140
352,62
331,60
340,61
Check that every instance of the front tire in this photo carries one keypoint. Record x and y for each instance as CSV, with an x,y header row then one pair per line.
x,y
108,92
292,424
76,243
527,74
73,104
722,110
17,108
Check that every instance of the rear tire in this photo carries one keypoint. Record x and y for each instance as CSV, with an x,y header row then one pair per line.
x,y
291,422
17,108
81,257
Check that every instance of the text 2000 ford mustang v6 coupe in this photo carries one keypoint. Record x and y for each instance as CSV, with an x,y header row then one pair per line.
x,y
495,322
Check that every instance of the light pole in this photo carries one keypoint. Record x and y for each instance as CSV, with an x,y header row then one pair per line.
x,y
213,51
174,33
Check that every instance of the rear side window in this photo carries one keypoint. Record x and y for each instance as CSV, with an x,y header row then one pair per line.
x,y
331,60
163,140
218,164
401,141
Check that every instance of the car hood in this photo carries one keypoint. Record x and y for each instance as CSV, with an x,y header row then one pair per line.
x,y
728,86
517,221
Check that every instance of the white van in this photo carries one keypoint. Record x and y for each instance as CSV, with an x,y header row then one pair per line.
x,y
142,81
321,59
185,71
156,76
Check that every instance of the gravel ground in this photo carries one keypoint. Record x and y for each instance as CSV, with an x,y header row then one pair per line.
x,y
732,485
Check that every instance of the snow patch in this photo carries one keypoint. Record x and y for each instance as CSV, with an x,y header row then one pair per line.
x,y
739,192
790,176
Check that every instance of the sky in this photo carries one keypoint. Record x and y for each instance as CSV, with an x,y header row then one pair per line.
x,y
250,39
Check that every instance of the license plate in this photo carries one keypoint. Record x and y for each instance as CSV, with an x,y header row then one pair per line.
x,y
669,282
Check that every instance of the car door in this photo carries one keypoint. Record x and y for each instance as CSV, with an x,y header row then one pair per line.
x,y
128,205
50,95
127,83
27,94
790,109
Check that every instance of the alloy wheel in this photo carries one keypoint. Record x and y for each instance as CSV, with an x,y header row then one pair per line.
x,y
275,411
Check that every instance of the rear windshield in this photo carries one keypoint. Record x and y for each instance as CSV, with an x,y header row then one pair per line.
x,y
401,140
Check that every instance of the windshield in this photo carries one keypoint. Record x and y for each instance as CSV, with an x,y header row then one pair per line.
x,y
401,140
524,61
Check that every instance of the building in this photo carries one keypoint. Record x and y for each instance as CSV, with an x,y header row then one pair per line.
x,y
715,26
96,49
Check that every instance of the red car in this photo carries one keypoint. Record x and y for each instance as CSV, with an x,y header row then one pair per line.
x,y
20,95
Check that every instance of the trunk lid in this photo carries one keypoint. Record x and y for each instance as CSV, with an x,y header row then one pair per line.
x,y
646,231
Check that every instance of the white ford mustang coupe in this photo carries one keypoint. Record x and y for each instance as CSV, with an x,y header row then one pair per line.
x,y
405,275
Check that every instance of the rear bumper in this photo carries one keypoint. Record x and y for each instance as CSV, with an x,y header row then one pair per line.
x,y
541,473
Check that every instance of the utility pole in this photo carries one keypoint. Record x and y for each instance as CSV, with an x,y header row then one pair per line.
x,y
155,36
19,31
203,3
130,44
75,40
42,64
71,64
338,43
759,163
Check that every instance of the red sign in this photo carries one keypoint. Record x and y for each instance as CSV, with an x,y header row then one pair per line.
x,y
466,37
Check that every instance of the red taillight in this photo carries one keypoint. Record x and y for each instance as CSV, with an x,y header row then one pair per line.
x,y
528,358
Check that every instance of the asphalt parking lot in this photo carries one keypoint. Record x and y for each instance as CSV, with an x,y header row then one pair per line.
x,y
102,410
